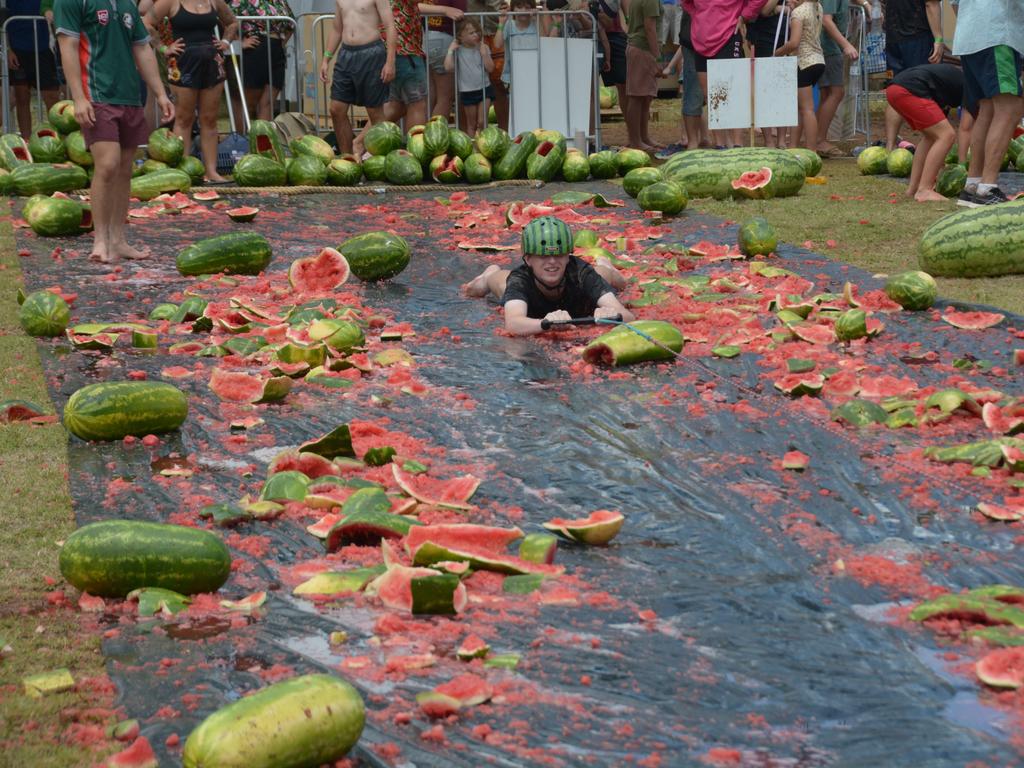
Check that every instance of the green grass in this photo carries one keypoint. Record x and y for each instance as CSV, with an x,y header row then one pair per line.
x,y
35,514
870,229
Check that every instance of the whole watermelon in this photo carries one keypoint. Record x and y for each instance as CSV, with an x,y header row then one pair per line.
x,y
376,255
952,180
435,137
165,146
872,161
851,324
383,138
575,167
639,178
665,196
44,314
899,162
459,143
374,168
492,142
602,165
477,169
6,182
402,168
259,171
757,237
312,146
913,290
809,159
78,153
307,171
53,216
193,166
628,159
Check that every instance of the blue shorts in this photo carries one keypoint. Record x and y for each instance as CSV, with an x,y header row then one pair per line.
x,y
472,98
693,96
410,83
907,53
991,72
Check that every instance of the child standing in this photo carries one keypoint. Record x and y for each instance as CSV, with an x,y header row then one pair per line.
x,y
805,42
470,59
520,34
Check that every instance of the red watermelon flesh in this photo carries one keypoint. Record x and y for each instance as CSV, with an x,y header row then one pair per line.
x,y
394,587
482,538
1002,421
468,689
814,334
886,386
521,214
236,386
323,272
1018,357
1002,668
138,755
323,526
753,179
454,493
206,194
309,464
973,321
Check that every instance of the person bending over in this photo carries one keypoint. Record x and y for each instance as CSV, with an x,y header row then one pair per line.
x,y
551,283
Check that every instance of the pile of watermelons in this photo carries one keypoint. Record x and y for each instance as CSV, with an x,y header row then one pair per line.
x,y
875,161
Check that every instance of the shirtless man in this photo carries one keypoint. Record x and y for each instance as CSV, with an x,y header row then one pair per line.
x,y
365,66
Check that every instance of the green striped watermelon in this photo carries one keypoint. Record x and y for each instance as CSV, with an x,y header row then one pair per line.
x,y
492,142
259,171
44,313
113,557
638,178
575,167
149,185
435,137
13,151
602,164
265,140
78,153
305,721
237,253
113,410
376,255
47,146
402,168
913,290
513,163
307,171
312,146
980,242
47,178
194,167
62,116
164,145
667,197
383,138
54,216
344,172
459,143
952,180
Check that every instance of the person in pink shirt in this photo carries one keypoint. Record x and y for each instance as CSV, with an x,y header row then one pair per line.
x,y
715,32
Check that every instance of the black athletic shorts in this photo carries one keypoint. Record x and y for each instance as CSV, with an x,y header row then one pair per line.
x,y
200,66
617,41
256,73
357,75
808,76
26,71
733,49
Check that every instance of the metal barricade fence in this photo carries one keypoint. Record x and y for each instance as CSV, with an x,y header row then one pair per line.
x,y
291,50
311,92
5,68
859,29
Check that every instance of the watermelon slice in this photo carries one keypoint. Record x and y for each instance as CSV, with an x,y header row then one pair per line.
x,y
138,755
1002,668
318,274
1001,513
430,553
452,494
973,321
330,583
368,528
814,334
599,527
539,548
323,526
247,604
1000,422
1018,357
395,589
311,465
796,460
240,387
520,214
459,693
206,194
472,647
482,538
242,214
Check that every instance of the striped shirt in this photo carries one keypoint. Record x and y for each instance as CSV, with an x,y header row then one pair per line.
x,y
106,31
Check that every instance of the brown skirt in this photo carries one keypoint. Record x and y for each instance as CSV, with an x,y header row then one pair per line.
x,y
641,73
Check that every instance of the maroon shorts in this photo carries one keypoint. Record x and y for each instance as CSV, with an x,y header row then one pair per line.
x,y
115,122
919,112
642,71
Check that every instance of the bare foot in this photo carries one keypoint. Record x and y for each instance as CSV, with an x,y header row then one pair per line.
x,y
126,251
826,147
929,196
477,287
101,253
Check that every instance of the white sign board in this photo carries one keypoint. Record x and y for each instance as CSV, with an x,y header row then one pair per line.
x,y
729,93
551,86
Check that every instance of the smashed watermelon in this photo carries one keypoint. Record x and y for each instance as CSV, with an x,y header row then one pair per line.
x,y
453,494
321,273
395,588
481,538
1002,668
598,527
240,387
973,321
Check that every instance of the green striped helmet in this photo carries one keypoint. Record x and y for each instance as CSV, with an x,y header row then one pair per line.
x,y
547,236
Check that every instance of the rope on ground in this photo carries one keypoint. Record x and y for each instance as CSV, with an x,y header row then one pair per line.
x,y
379,189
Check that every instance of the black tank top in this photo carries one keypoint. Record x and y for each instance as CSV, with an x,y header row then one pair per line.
x,y
193,28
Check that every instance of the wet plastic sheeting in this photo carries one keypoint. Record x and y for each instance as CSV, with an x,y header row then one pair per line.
x,y
759,644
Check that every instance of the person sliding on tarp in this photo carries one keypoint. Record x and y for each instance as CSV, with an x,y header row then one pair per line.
x,y
551,284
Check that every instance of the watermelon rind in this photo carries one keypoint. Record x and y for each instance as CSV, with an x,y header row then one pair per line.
x,y
622,346
264,139
114,410
913,290
442,594
1002,668
242,215
598,528
111,558
376,256
339,582
305,721
756,237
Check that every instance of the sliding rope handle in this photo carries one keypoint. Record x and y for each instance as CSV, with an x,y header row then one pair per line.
x,y
548,324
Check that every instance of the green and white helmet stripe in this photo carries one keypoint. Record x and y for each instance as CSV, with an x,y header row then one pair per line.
x,y
547,236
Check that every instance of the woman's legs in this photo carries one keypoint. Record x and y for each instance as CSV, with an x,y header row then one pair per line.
x,y
209,108
830,97
185,100
808,126
929,158
444,92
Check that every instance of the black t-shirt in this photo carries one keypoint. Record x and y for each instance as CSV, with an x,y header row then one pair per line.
x,y
905,19
762,33
942,83
581,290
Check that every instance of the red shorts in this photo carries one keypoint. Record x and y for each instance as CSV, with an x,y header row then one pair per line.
x,y
118,123
920,113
